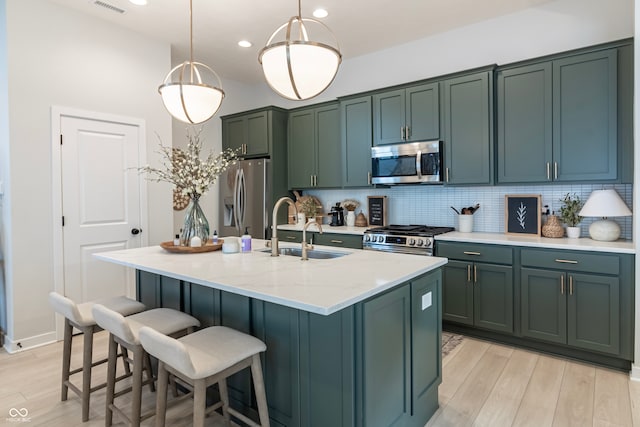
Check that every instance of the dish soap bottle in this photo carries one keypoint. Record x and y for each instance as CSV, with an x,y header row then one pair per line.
x,y
214,238
176,241
246,241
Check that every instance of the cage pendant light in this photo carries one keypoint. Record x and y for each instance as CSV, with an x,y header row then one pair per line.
x,y
299,68
190,98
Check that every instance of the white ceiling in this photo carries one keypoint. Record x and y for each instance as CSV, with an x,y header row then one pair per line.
x,y
361,26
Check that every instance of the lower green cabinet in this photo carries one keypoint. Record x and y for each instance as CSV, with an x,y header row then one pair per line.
x,y
477,293
352,241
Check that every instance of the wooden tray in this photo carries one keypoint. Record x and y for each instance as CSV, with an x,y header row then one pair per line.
x,y
208,247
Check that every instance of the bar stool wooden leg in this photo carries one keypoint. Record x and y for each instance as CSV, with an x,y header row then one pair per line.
x,y
161,394
224,397
136,390
199,402
86,370
66,359
125,356
149,372
258,385
111,380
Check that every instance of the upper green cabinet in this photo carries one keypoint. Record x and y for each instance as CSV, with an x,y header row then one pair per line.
x,y
315,147
251,134
558,120
356,141
468,129
406,115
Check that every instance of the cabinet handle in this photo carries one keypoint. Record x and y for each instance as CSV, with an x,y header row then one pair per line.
x,y
548,171
336,241
570,285
369,178
471,253
291,237
402,133
407,133
469,273
562,284
475,274
315,180
555,170
567,261
446,174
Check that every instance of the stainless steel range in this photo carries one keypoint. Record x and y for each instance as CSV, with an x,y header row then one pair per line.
x,y
407,239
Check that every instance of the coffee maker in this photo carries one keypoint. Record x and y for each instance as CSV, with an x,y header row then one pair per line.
x,y
337,215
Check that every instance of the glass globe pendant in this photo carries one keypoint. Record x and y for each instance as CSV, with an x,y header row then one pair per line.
x,y
299,68
186,95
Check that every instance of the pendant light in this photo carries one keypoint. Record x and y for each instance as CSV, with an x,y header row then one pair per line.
x,y
189,98
298,68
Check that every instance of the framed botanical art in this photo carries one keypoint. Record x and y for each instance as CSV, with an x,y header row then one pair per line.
x,y
522,214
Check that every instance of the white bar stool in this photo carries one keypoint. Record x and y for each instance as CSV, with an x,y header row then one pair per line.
x,y
124,331
202,359
80,317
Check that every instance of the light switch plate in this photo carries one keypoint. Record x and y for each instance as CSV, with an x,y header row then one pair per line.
x,y
426,300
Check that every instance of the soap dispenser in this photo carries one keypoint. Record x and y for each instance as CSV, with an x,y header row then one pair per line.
x,y
246,241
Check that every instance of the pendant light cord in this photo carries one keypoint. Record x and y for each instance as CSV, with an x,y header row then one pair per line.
x,y
191,38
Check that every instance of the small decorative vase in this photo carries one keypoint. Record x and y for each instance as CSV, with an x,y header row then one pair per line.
x,y
573,232
553,227
351,218
195,223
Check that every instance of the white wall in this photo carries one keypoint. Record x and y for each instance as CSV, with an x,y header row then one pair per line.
x,y
57,56
4,163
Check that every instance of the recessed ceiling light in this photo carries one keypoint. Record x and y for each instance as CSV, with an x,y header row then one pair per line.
x,y
244,43
138,2
320,13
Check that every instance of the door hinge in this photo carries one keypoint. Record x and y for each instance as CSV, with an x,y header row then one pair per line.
x,y
63,220
60,139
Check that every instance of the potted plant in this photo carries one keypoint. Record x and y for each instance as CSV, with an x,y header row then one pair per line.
x,y
569,210
309,208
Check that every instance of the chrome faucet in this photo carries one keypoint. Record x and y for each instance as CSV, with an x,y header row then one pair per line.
x,y
274,235
305,245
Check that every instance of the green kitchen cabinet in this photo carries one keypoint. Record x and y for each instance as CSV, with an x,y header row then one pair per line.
x,y
577,299
558,120
407,115
253,133
315,147
352,241
468,129
356,122
478,285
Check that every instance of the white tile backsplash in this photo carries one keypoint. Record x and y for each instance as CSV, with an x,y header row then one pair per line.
x,y
430,204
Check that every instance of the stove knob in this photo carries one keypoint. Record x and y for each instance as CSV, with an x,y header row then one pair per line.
x,y
380,239
366,238
427,243
419,242
412,242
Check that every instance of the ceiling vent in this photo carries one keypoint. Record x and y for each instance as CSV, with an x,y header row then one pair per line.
x,y
109,6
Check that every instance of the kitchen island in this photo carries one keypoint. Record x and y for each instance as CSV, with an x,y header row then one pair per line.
x,y
351,341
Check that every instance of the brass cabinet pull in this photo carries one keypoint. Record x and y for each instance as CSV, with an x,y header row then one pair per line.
x,y
469,273
471,253
570,285
402,133
337,241
562,284
555,170
446,173
291,237
475,274
407,132
369,178
548,171
567,261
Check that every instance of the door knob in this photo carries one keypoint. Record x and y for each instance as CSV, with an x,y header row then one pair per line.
x,y
135,231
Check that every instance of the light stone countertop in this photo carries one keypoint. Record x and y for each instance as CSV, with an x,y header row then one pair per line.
x,y
326,228
581,244
318,286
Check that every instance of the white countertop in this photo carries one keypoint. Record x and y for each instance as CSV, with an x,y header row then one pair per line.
x,y
581,244
326,228
318,286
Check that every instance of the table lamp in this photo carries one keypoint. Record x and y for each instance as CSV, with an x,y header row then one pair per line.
x,y
604,203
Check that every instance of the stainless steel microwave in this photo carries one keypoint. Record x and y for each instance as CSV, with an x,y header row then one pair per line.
x,y
408,163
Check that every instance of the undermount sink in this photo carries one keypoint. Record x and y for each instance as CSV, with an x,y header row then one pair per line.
x,y
311,253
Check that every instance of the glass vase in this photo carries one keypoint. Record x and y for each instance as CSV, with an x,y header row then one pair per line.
x,y
195,223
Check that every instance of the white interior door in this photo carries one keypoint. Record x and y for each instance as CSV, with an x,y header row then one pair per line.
x,y
100,204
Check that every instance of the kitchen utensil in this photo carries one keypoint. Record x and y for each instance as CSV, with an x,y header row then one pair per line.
x,y
455,210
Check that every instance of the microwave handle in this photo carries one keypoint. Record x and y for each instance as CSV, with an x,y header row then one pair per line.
x,y
419,164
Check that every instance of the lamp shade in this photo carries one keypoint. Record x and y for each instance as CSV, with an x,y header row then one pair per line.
x,y
192,100
301,68
605,203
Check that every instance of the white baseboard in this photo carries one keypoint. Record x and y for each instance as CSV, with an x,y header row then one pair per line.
x,y
28,343
634,375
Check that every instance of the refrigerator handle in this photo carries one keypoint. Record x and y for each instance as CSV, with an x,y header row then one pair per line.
x,y
236,213
242,201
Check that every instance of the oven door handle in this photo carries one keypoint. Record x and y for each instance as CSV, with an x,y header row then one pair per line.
x,y
419,164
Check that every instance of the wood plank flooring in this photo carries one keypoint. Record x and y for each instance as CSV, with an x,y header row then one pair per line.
x,y
484,384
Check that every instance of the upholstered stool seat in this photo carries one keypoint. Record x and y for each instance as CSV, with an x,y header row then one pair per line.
x,y
124,331
202,359
81,317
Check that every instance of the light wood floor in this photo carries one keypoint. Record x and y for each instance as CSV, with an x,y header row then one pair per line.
x,y
484,384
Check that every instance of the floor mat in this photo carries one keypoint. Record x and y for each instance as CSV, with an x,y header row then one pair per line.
x,y
449,342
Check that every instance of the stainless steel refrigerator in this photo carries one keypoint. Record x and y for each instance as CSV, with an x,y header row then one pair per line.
x,y
245,199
